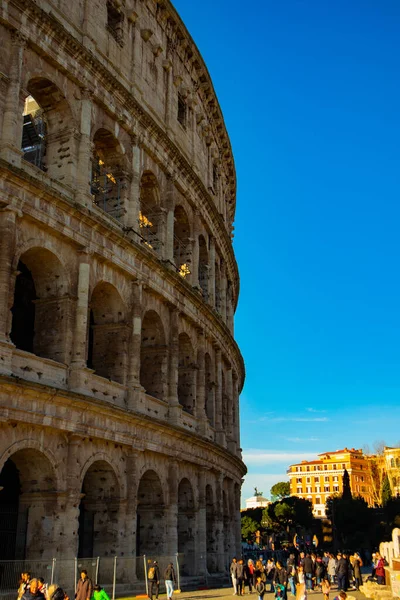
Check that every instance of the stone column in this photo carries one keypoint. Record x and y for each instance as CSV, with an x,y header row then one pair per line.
x,y
236,428
230,409
134,387
219,524
78,362
131,218
167,66
201,385
220,434
211,280
201,538
223,291
171,511
237,522
128,520
11,134
173,359
84,168
168,236
67,528
194,277
8,231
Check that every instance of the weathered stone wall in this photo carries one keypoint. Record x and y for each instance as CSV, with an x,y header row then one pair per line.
x,y
120,376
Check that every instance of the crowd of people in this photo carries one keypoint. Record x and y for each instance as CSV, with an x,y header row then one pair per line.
x,y
302,574
37,589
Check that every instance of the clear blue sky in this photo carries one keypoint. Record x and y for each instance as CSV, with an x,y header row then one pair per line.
x,y
310,91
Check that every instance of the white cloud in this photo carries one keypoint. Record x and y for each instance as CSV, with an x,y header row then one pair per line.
x,y
315,410
264,457
298,439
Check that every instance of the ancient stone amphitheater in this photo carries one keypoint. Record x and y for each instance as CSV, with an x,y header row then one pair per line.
x,y
120,376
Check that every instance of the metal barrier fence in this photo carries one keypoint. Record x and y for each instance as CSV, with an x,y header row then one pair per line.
x,y
117,575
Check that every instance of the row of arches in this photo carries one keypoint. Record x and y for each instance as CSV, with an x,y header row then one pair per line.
x,y
48,142
31,517
42,321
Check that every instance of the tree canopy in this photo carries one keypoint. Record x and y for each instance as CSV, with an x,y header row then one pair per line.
x,y
280,490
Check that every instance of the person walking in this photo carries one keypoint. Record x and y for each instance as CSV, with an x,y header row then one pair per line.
x,y
99,593
233,573
240,574
281,577
292,578
357,564
309,571
380,569
170,580
54,592
332,568
153,577
341,572
84,587
260,588
33,593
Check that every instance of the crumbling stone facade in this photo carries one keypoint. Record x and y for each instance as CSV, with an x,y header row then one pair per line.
x,y
119,373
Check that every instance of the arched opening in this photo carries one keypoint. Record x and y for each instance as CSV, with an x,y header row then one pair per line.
x,y
210,390
211,534
186,374
109,333
186,526
150,216
182,243
108,180
150,516
203,267
99,511
48,140
27,502
40,309
153,356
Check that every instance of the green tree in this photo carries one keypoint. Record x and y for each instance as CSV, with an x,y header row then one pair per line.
x,y
386,491
346,486
351,520
280,490
249,526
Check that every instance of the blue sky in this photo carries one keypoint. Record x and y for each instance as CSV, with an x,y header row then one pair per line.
x,y
310,94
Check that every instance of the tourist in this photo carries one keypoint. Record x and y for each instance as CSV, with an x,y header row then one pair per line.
x,y
33,592
309,571
325,587
341,596
24,584
42,586
292,578
357,564
170,580
319,572
250,575
84,587
233,572
240,577
99,593
153,576
380,569
270,572
341,572
332,568
281,577
260,588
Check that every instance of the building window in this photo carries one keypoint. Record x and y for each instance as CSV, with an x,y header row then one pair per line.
x,y
343,466
115,21
327,488
317,500
318,467
335,488
182,110
336,478
325,467
316,479
299,480
308,480
308,490
326,478
308,468
334,467
299,490
318,489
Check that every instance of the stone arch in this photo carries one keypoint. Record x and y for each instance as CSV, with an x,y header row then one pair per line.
x,y
150,531
40,311
153,356
182,241
186,374
28,504
210,389
108,333
99,511
203,273
186,526
150,216
48,139
108,178
211,539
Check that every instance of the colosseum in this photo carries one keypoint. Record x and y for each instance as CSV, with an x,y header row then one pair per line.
x,y
120,376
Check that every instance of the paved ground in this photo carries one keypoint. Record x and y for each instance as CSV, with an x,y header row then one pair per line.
x,y
228,593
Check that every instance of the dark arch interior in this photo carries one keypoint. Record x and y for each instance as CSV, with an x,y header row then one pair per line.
x,y
9,508
23,310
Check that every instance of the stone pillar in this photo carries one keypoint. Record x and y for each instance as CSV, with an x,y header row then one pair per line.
x,y
11,134
201,538
78,362
68,504
173,359
201,386
223,291
230,409
237,522
84,169
128,520
134,387
211,280
219,524
8,230
194,277
167,66
220,434
132,216
168,236
236,428
171,511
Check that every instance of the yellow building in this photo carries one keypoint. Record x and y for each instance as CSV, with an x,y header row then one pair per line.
x,y
318,479
392,464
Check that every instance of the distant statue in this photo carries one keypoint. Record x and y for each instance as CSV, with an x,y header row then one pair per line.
x,y
257,493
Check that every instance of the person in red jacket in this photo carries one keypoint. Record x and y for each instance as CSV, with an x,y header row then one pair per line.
x,y
380,570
